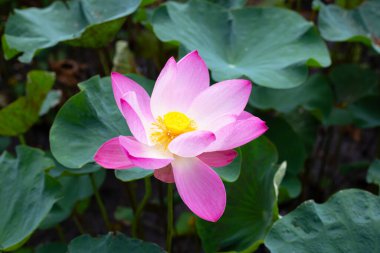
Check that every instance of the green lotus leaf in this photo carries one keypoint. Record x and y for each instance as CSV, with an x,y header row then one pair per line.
x,y
360,24
27,195
305,125
231,172
291,149
74,188
132,174
90,23
86,121
111,243
20,115
366,111
373,175
251,202
348,222
314,95
52,99
352,82
270,46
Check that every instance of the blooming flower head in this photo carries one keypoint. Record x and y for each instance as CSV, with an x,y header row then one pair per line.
x,y
183,131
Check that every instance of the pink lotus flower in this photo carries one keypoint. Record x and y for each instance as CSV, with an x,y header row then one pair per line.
x,y
183,130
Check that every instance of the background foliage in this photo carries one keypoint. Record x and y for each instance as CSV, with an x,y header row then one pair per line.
x,y
311,184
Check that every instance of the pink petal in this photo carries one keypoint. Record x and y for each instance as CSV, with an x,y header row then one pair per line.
x,y
224,98
165,174
218,158
122,84
192,143
179,83
245,129
218,123
144,156
200,188
112,156
137,121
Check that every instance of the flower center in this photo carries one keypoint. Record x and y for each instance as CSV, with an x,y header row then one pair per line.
x,y
176,122
166,128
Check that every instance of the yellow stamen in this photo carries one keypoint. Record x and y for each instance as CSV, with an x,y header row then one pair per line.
x,y
166,128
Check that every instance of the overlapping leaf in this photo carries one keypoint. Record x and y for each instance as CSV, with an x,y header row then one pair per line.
x,y
19,116
111,243
290,149
352,82
348,222
74,189
231,172
357,96
361,24
271,46
315,95
251,202
132,174
86,121
80,23
27,194
373,175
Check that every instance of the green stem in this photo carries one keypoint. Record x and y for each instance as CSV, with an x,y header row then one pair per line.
x,y
140,208
21,139
169,235
104,61
129,186
299,5
99,200
60,233
78,224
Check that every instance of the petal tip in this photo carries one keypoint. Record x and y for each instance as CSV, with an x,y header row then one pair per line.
x,y
233,154
171,60
115,74
263,126
195,58
247,82
213,217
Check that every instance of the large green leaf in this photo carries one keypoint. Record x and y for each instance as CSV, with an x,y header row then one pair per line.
x,y
86,121
74,189
290,149
27,194
352,82
366,111
231,172
111,243
361,24
19,116
251,202
52,99
315,95
357,96
271,46
348,222
132,174
91,23
338,117
230,3
305,125
373,175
